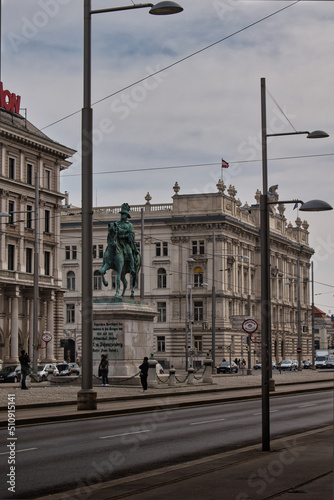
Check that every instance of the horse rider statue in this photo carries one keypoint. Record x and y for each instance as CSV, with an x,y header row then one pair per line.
x,y
121,253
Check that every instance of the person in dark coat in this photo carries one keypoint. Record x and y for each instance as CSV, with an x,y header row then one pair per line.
x,y
103,370
144,374
25,368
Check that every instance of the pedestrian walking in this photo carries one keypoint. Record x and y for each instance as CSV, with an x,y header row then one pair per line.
x,y
103,370
25,368
144,374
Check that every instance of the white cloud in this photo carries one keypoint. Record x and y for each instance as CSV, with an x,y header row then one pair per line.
x,y
197,111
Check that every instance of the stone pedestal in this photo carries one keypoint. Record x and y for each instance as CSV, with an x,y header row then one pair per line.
x,y
123,330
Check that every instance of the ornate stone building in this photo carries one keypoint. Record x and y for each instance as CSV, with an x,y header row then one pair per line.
x,y
197,247
28,154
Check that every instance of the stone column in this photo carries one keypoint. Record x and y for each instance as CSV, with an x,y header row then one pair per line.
x,y
49,350
14,349
207,379
172,379
190,376
152,378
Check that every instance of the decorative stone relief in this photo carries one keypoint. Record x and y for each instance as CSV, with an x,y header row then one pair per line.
x,y
232,191
176,188
148,198
221,186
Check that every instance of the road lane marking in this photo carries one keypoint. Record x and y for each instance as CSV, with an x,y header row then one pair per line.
x,y
124,434
270,411
307,404
208,421
18,451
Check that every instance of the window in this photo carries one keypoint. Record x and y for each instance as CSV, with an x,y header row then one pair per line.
x,y
198,276
162,308
70,280
70,313
161,249
11,210
198,343
11,257
94,251
97,281
28,260
71,251
29,217
74,252
162,278
198,311
161,344
198,247
100,251
29,173
47,263
47,179
11,168
47,221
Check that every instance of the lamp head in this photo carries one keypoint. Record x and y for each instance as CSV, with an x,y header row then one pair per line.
x,y
317,134
315,206
165,8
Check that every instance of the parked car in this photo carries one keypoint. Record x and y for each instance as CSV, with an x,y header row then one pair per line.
x,y
43,371
60,368
10,374
159,369
329,363
70,369
306,364
287,364
257,366
295,363
225,367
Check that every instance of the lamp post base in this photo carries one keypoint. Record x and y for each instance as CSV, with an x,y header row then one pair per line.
x,y
87,400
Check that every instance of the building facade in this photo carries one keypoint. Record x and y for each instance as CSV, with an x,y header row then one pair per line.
x,y
30,166
198,248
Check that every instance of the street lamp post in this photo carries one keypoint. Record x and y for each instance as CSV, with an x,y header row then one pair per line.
x,y
314,205
86,396
187,311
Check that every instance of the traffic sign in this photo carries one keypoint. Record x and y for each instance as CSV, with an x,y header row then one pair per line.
x,y
250,326
47,337
299,350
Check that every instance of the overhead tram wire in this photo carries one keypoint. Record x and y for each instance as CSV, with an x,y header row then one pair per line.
x,y
194,165
177,62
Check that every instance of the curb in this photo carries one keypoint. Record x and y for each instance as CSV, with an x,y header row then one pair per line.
x,y
87,414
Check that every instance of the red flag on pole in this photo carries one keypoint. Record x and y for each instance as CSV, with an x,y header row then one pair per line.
x,y
224,164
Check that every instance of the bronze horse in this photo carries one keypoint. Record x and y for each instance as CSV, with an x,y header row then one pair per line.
x,y
114,258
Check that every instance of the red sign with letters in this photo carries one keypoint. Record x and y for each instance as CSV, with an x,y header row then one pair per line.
x,y
9,101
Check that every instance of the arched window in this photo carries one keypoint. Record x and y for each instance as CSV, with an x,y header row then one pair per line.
x,y
162,278
198,276
70,280
97,281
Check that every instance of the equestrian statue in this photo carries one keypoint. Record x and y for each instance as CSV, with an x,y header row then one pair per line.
x,y
121,254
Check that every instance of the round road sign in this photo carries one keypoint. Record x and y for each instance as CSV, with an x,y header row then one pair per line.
x,y
299,350
250,326
46,336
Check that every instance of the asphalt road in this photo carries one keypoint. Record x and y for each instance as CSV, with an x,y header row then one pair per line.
x,y
59,457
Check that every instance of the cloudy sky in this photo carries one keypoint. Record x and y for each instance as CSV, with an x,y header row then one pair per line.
x,y
202,105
